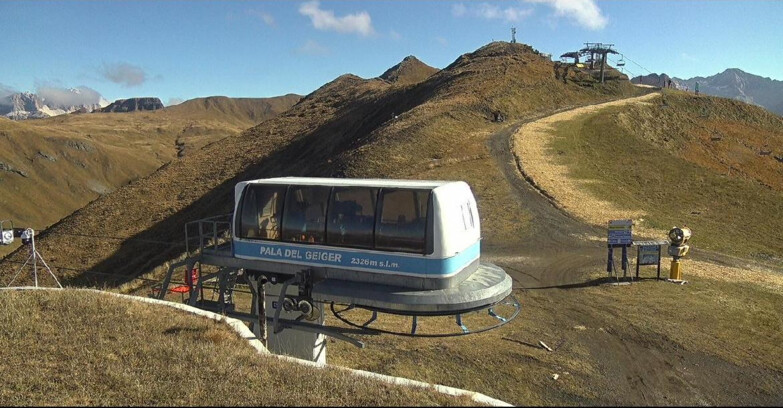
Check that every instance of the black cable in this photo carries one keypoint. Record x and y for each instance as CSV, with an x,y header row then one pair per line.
x,y
648,71
150,241
625,69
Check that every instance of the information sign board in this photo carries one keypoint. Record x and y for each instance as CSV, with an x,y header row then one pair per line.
x,y
620,232
649,254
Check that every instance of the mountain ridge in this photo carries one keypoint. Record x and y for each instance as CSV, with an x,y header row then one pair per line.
x,y
732,83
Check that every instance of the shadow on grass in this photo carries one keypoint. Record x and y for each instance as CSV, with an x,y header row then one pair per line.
x,y
180,330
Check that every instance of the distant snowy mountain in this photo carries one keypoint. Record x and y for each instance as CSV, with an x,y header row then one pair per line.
x,y
50,102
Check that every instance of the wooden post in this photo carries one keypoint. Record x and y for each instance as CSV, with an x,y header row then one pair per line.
x,y
609,260
625,260
638,258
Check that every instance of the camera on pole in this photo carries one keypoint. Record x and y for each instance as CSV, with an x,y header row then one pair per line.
x,y
27,236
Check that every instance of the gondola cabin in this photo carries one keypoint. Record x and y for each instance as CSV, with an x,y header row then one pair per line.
x,y
408,233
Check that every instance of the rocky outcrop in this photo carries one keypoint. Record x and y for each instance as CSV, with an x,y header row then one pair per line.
x,y
134,104
661,81
11,169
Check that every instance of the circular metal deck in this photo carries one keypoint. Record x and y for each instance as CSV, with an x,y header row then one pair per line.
x,y
485,287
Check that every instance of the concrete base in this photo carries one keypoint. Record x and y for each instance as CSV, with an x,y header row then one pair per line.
x,y
295,343
677,281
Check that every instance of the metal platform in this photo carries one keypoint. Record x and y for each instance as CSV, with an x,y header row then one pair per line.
x,y
487,286
285,294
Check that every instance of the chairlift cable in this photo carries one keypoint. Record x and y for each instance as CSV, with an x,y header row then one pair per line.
x,y
89,272
648,71
108,237
624,68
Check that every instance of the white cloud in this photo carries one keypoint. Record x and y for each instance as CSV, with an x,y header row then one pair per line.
x,y
359,23
584,12
123,73
175,101
313,48
263,16
489,11
57,96
394,35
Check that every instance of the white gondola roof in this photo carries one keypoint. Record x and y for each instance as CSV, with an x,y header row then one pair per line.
x,y
323,181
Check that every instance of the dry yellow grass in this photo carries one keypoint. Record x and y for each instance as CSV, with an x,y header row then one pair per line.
x,y
84,348
748,274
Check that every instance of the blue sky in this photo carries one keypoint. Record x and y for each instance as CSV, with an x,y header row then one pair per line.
x,y
178,50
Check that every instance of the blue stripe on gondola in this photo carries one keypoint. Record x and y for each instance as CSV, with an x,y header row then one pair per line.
x,y
355,259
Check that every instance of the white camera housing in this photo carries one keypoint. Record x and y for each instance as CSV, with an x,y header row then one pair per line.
x,y
7,237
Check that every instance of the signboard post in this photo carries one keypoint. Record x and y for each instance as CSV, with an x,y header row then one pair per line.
x,y
620,236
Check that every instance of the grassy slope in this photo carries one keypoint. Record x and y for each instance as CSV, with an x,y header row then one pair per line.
x,y
409,71
70,160
447,137
699,161
80,348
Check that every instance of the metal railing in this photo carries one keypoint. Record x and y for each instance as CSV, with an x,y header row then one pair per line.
x,y
209,236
